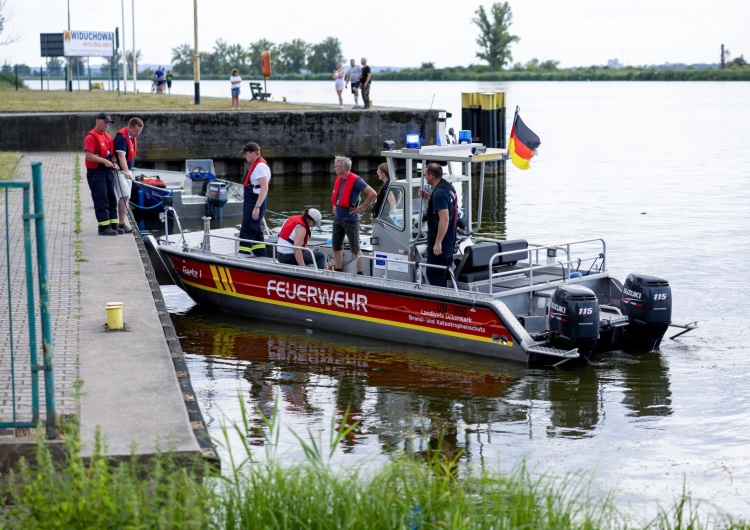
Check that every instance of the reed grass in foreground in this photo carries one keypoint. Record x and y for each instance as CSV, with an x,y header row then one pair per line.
x,y
405,494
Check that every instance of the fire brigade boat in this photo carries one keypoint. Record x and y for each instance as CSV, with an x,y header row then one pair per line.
x,y
545,304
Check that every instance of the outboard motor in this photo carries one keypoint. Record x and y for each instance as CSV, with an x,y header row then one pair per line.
x,y
574,318
216,197
647,302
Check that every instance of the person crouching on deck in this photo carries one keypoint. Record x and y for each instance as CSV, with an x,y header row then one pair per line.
x,y
256,201
293,238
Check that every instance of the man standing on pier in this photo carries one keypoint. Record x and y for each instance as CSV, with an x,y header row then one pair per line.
x,y
347,210
352,76
126,147
99,149
442,215
365,78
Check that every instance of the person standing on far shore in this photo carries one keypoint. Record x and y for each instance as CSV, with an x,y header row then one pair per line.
x,y
169,81
235,81
338,80
365,79
353,76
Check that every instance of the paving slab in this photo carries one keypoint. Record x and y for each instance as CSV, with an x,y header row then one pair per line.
x,y
122,383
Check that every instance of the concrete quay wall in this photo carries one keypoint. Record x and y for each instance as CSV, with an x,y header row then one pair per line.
x,y
293,141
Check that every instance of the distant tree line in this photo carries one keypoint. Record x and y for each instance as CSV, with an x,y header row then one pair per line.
x,y
549,71
295,57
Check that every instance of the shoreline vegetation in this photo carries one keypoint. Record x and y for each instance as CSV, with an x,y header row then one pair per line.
x,y
426,489
479,73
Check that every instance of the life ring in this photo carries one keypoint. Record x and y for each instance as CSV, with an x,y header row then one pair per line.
x,y
265,63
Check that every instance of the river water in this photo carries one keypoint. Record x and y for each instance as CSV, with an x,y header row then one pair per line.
x,y
661,172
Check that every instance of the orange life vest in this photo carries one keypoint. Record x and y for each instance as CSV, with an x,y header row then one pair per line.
x,y
132,144
290,226
346,194
104,147
258,160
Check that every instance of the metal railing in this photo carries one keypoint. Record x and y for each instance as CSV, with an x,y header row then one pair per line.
x,y
533,256
12,382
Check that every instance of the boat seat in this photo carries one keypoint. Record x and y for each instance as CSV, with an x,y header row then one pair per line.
x,y
474,265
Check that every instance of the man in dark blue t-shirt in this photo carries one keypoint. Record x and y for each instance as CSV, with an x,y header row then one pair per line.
x,y
346,210
441,224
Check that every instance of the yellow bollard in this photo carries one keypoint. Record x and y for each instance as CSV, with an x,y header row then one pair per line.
x,y
114,315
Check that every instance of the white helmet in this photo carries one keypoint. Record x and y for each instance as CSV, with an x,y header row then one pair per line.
x,y
315,216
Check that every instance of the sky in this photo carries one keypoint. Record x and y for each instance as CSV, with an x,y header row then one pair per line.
x,y
401,34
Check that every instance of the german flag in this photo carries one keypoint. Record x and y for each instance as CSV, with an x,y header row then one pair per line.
x,y
521,143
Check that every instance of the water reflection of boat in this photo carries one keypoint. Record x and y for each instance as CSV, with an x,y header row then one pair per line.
x,y
405,396
538,304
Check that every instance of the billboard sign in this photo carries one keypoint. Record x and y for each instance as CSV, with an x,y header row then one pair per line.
x,y
52,44
89,43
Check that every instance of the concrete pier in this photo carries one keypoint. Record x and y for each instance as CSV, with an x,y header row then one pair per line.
x,y
132,385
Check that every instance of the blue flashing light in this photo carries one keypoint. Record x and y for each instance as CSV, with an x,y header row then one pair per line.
x,y
412,141
464,136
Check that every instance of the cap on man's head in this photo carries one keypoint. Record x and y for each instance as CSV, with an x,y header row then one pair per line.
x,y
250,146
315,216
104,116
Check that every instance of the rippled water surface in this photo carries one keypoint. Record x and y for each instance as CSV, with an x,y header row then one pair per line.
x,y
661,171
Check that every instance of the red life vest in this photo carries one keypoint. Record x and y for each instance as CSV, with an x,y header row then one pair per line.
x,y
258,160
132,144
103,147
351,178
290,226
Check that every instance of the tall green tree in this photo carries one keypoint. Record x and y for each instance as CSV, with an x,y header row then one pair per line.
x,y
114,63
325,55
494,36
55,66
254,51
129,60
182,59
292,56
237,58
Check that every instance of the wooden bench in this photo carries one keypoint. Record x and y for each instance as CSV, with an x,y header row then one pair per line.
x,y
256,90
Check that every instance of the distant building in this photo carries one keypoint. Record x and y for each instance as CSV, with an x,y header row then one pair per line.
x,y
614,63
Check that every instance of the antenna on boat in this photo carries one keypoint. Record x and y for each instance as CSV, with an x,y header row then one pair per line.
x,y
424,125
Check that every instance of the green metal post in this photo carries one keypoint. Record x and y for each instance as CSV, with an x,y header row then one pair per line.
x,y
30,307
16,69
41,252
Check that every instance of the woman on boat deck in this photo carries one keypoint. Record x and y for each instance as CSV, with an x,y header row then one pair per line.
x,y
385,193
293,238
255,203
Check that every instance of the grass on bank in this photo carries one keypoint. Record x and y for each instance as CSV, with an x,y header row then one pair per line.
x,y
9,165
25,100
408,493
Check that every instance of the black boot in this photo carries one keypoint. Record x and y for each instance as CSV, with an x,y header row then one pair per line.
x,y
107,231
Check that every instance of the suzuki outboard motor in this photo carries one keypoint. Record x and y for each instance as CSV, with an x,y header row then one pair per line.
x,y
216,197
647,302
574,318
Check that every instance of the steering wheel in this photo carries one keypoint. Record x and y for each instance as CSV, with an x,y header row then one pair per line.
x,y
199,172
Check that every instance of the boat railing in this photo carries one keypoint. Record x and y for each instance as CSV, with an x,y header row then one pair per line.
x,y
537,253
411,264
